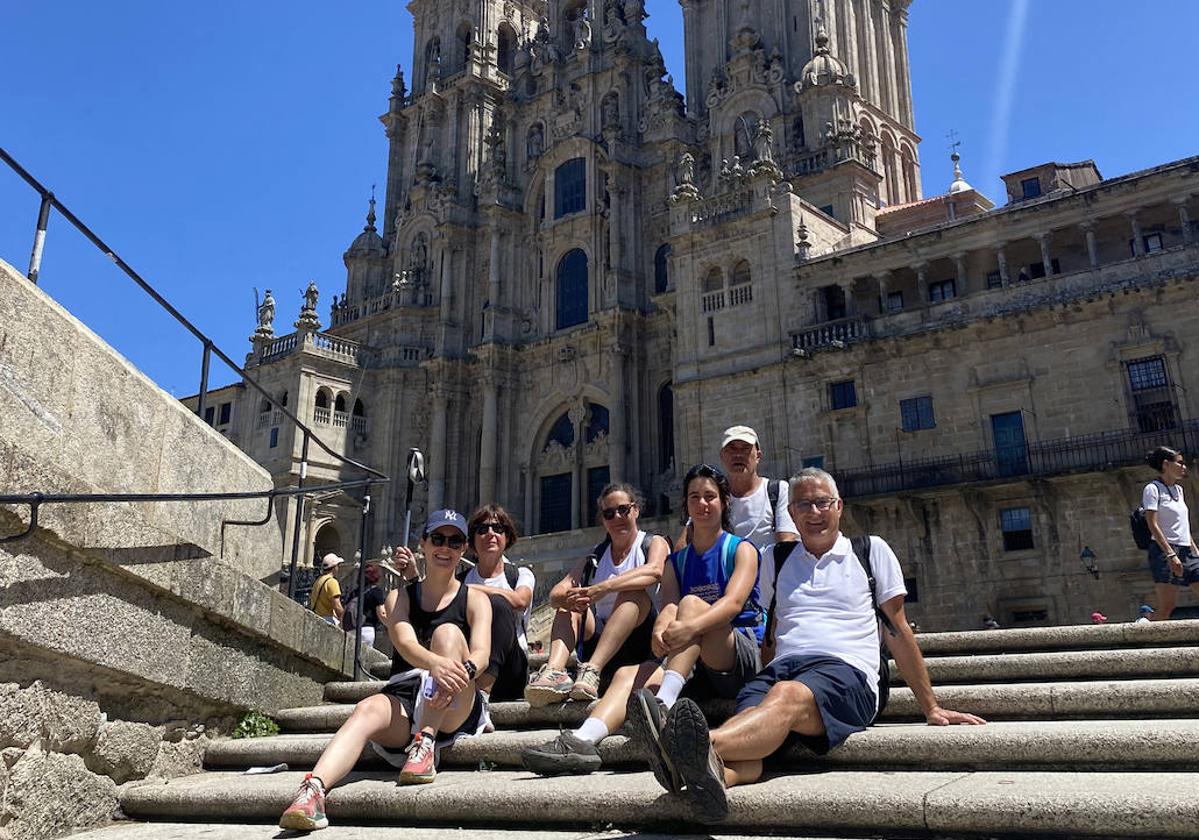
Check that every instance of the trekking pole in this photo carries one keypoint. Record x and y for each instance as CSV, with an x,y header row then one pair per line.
x,y
416,475
366,509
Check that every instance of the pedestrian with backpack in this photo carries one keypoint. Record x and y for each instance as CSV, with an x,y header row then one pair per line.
x,y
708,630
1173,556
605,612
822,649
325,597
373,598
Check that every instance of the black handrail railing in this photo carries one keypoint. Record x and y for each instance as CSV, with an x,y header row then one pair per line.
x,y
36,500
1103,450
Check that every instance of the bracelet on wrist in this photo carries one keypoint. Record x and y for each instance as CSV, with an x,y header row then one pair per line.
x,y
471,668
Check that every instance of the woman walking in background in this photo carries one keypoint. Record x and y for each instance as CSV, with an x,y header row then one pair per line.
x,y
1173,557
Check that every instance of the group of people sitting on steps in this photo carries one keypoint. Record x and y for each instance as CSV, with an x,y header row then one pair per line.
x,y
764,603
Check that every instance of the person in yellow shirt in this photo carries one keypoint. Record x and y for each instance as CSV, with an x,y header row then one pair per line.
x,y
325,599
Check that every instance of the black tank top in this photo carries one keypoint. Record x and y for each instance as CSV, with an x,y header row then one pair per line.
x,y
425,622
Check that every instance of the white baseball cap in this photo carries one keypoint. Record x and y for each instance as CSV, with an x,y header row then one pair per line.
x,y
331,561
744,433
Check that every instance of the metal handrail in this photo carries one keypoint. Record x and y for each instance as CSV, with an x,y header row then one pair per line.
x,y
36,500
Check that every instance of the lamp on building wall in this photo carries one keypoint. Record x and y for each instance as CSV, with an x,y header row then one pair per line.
x,y
1089,561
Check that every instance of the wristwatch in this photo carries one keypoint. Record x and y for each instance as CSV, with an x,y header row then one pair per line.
x,y
471,668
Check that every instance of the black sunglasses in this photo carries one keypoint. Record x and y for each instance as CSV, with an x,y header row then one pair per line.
x,y
483,527
704,471
620,510
454,541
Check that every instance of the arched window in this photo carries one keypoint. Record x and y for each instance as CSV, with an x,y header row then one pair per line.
x,y
339,404
665,427
283,400
327,540
909,174
740,290
322,398
462,46
432,61
890,176
570,187
264,406
359,409
714,281
571,287
662,269
561,433
797,133
505,48
741,273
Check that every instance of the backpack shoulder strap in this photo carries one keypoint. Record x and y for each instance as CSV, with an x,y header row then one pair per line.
x,y
728,553
780,552
461,574
593,559
511,574
772,493
861,550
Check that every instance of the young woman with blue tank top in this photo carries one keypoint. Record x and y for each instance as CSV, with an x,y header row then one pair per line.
x,y
710,621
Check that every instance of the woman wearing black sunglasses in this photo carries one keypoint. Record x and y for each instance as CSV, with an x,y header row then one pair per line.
x,y
441,630
603,607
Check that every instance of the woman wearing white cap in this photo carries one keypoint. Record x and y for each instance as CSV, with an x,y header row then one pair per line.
x,y
441,630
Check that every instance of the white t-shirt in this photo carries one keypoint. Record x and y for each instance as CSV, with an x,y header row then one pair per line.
x,y
524,577
824,603
607,569
751,516
1172,515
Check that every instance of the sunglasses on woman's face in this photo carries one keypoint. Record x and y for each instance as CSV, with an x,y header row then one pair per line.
x,y
454,541
620,510
485,527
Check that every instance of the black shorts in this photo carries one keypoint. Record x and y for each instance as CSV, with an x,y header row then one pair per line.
x,y
843,696
509,661
709,684
637,648
406,690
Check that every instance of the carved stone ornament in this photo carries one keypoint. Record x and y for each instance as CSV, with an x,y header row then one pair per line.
x,y
266,317
555,458
308,319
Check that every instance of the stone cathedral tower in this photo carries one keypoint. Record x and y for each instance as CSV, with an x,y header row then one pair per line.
x,y
570,248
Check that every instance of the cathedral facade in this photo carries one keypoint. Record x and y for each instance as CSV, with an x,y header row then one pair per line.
x,y
581,276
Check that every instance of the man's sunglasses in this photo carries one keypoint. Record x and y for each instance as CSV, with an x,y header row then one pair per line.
x,y
620,510
454,541
819,504
485,527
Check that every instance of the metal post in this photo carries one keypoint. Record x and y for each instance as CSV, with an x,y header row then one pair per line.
x,y
295,536
39,237
205,360
366,509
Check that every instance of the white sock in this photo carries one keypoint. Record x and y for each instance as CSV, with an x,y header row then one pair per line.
x,y
672,684
592,731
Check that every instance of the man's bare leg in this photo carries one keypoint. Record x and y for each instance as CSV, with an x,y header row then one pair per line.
x,y
747,738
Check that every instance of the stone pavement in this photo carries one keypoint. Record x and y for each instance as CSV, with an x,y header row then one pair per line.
x,y
199,831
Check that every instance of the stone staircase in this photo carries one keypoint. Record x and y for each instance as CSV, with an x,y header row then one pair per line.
x,y
1094,732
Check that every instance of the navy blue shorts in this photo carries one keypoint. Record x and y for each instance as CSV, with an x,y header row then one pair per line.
x,y
843,696
1160,569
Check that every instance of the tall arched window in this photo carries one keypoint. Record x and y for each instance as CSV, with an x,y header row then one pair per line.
x,y
570,187
432,67
283,400
359,409
505,43
461,46
740,290
662,269
571,289
322,398
745,128
714,281
665,427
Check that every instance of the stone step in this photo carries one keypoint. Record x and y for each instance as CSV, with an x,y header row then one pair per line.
x,y
1067,637
1001,701
262,830
988,667
1060,745
1062,665
1015,804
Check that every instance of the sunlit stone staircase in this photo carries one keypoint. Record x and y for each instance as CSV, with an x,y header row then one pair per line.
x,y
1094,732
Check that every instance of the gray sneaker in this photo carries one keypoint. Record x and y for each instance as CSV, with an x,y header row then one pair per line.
x,y
645,715
565,754
686,742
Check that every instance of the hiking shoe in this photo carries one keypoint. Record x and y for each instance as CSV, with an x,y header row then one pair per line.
x,y
686,741
565,754
421,766
307,810
548,686
586,685
644,716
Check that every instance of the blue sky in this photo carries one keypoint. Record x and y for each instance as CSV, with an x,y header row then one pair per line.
x,y
220,147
